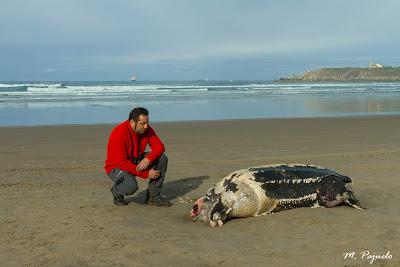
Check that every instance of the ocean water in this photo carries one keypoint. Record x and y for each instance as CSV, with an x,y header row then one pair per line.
x,y
48,103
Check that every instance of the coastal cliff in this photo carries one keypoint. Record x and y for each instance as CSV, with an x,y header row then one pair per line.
x,y
348,74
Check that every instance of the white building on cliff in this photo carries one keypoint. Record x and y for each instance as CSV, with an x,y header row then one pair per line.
x,y
373,65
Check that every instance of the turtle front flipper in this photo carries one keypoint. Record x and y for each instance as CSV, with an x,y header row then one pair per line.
x,y
219,214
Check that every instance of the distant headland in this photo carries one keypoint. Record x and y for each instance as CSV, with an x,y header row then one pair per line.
x,y
374,72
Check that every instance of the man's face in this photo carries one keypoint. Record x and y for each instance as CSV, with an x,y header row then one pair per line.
x,y
141,125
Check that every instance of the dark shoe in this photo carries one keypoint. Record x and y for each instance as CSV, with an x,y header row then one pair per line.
x,y
119,202
118,198
159,202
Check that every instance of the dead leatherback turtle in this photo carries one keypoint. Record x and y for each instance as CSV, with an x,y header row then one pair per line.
x,y
271,188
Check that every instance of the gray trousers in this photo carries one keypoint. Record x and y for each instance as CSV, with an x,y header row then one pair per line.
x,y
125,182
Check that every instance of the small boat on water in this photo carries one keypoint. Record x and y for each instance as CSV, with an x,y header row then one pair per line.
x,y
133,77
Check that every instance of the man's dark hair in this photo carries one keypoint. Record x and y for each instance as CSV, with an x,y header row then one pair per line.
x,y
136,112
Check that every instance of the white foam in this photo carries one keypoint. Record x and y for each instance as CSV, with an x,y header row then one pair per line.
x,y
42,90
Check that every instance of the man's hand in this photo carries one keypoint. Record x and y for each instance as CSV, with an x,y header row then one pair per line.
x,y
154,174
143,164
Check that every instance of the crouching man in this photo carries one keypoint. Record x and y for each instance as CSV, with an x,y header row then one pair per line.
x,y
127,160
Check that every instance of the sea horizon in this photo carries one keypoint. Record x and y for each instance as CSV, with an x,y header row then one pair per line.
x,y
30,103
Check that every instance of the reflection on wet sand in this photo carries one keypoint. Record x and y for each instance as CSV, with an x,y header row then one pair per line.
x,y
387,104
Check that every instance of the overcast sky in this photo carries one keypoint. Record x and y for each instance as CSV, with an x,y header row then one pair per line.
x,y
185,40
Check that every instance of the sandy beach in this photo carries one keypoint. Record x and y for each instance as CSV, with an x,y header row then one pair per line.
x,y
57,209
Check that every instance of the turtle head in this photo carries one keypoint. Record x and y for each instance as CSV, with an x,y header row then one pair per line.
x,y
201,209
209,209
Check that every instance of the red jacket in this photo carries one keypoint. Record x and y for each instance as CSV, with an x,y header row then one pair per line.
x,y
124,144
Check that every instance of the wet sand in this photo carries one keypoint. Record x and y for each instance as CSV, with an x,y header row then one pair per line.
x,y
57,209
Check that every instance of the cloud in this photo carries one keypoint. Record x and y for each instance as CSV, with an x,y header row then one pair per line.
x,y
235,49
80,36
49,70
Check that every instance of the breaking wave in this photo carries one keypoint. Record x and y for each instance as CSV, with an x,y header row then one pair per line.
x,y
60,91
